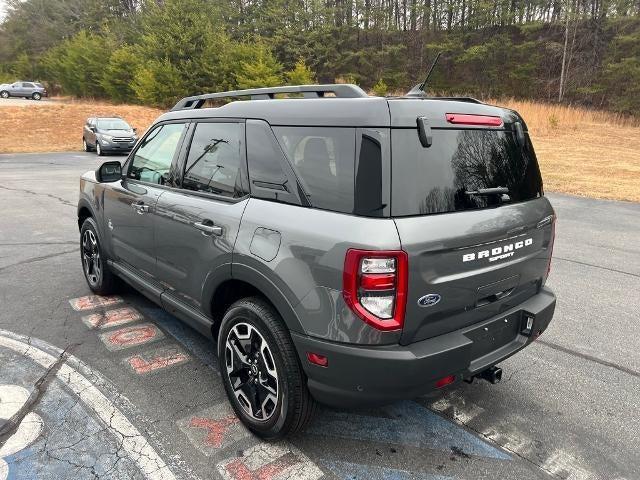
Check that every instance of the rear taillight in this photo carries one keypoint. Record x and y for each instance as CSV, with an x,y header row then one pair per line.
x,y
375,286
476,120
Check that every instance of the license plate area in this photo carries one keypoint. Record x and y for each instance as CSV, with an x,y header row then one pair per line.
x,y
491,336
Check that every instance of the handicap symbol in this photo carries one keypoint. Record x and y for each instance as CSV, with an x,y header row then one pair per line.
x,y
12,399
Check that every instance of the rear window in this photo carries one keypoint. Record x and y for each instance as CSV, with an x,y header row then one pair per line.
x,y
324,159
436,179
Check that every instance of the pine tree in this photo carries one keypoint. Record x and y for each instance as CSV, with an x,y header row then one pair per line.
x,y
301,74
263,70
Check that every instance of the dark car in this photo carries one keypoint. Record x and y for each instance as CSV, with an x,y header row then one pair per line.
x,y
32,90
108,135
340,248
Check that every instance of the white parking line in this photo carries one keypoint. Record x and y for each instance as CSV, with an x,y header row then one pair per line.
x,y
133,443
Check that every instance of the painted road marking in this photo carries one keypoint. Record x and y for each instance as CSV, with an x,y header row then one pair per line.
x,y
267,461
404,423
214,428
112,318
130,440
559,463
91,302
357,471
157,359
565,465
128,337
458,408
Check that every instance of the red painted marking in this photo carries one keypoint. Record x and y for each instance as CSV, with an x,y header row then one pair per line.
x,y
93,301
215,428
240,471
112,318
131,336
141,366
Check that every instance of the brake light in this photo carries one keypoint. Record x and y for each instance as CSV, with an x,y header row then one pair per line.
x,y
375,286
476,120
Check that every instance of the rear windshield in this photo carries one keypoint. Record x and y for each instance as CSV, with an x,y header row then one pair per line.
x,y
437,179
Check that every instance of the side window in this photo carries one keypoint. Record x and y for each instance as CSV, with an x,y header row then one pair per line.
x,y
152,160
369,179
28,85
267,165
214,161
324,158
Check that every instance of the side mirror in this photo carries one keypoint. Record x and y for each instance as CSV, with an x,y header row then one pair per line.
x,y
109,172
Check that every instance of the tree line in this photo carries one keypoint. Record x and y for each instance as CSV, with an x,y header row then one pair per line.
x,y
156,51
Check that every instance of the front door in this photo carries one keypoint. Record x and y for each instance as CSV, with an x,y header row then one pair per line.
x,y
197,224
129,207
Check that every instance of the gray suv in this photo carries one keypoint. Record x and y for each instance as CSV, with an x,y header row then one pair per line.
x,y
32,90
108,135
337,247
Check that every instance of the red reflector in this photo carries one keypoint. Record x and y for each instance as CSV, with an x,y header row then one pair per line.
x,y
377,281
479,120
443,382
318,359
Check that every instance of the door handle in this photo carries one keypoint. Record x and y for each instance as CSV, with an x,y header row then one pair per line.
x,y
208,229
140,208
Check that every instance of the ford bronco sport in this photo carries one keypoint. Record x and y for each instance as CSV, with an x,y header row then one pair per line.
x,y
337,247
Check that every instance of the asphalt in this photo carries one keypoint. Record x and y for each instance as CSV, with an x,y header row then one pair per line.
x,y
73,405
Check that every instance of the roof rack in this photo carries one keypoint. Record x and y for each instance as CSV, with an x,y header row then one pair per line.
x,y
340,90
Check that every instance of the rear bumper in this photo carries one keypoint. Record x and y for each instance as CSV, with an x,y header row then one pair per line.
x,y
371,375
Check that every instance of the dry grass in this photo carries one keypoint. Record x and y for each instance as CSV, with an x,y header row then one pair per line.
x,y
57,126
581,152
584,152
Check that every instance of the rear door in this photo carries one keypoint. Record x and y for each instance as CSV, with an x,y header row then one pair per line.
x,y
198,222
130,204
471,255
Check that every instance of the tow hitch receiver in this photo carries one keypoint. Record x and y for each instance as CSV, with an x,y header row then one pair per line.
x,y
492,375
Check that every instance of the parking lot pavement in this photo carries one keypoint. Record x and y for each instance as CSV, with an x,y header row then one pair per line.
x,y
21,102
117,388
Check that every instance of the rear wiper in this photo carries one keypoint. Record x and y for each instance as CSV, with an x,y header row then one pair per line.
x,y
489,191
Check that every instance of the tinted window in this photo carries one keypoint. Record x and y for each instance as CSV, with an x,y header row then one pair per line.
x,y
28,85
324,159
213,164
368,193
436,179
152,161
267,165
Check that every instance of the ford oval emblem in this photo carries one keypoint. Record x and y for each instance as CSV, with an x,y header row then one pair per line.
x,y
429,300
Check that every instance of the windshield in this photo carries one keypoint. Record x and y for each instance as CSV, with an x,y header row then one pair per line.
x,y
452,173
112,124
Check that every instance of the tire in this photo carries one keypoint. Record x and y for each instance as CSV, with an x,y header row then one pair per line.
x,y
85,146
94,261
99,149
293,407
36,96
4,94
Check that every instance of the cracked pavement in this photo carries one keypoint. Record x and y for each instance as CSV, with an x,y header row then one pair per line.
x,y
567,408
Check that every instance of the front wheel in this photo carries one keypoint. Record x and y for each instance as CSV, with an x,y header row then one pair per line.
x,y
261,371
85,146
4,94
94,261
99,149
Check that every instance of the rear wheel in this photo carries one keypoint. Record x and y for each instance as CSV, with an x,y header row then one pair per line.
x,y
36,96
94,261
261,371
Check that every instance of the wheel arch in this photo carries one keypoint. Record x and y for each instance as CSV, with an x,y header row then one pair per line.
x,y
248,282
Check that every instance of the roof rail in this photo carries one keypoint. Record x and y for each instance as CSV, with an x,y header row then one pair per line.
x,y
340,90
